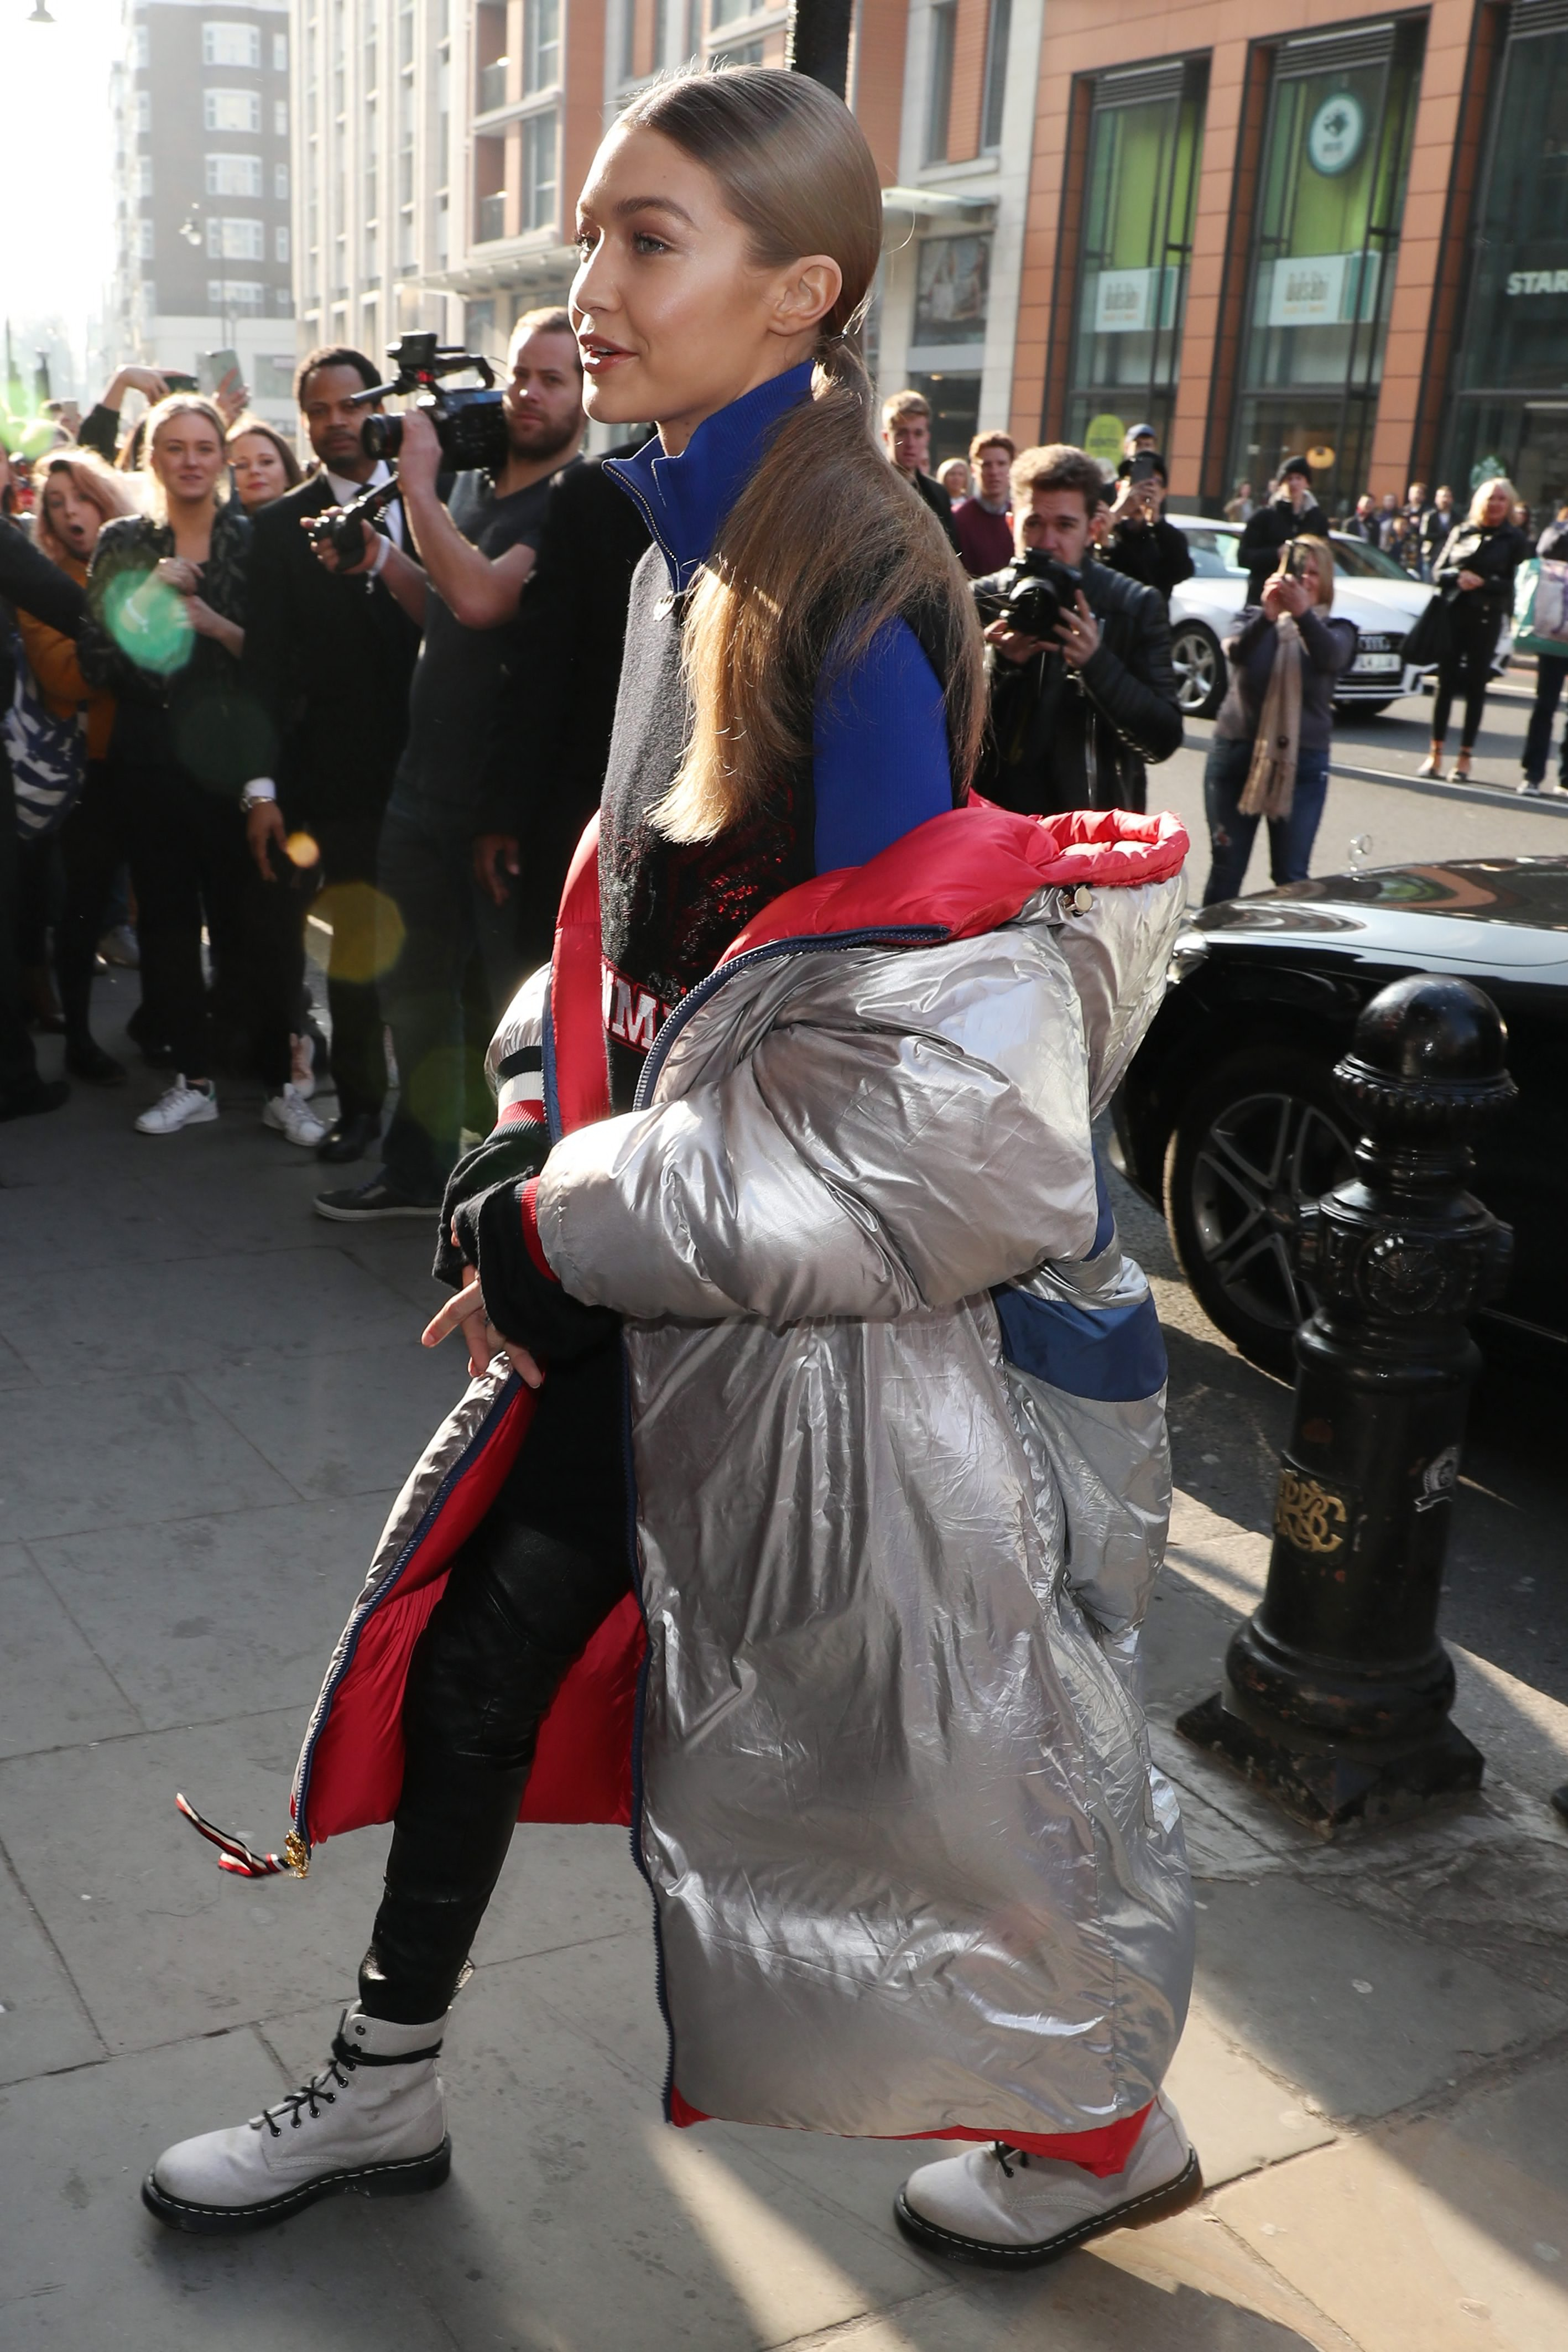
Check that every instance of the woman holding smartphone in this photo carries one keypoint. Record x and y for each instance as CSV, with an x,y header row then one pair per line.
x,y
792,1305
1269,759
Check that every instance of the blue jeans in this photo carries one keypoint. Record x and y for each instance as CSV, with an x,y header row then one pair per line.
x,y
425,869
1230,834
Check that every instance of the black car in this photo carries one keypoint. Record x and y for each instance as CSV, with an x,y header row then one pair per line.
x,y
1227,1118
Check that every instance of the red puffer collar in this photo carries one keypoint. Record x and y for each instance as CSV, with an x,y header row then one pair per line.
x,y
969,870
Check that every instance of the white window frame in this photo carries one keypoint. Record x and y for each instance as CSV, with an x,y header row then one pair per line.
x,y
225,176
248,105
225,43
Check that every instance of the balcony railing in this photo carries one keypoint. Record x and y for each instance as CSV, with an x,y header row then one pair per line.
x,y
492,219
492,86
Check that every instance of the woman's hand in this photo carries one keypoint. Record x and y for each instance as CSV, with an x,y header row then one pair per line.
x,y
176,572
208,624
466,1311
1285,594
1471,580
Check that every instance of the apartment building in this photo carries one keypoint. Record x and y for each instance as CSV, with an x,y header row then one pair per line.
x,y
203,255
1259,224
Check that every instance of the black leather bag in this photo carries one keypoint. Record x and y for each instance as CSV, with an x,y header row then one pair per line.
x,y
1431,640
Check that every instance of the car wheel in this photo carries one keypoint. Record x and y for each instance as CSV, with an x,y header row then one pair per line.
x,y
1200,665
1257,1138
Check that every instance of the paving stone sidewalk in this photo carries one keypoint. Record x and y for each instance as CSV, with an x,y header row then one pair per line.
x,y
207,1398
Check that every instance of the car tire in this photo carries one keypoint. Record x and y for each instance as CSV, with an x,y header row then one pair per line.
x,y
1199,660
1256,1137
1359,709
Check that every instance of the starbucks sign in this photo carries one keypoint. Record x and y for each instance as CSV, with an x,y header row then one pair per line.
x,y
1336,133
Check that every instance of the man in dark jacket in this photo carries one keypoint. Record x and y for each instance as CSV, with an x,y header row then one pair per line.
x,y
1291,512
907,437
1141,544
328,656
26,577
1076,715
551,736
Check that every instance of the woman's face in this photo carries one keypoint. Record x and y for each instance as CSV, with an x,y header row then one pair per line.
x,y
187,457
260,475
1497,509
73,519
674,318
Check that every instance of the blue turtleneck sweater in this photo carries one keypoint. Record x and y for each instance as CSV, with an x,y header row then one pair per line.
x,y
880,764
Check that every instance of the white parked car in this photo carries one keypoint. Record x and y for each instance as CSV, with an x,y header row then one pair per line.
x,y
1370,589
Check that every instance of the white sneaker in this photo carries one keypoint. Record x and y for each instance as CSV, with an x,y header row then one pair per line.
x,y
302,1053
293,1117
373,2120
996,2205
182,1106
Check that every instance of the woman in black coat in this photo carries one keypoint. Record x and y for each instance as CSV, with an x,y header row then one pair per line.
x,y
1474,576
165,629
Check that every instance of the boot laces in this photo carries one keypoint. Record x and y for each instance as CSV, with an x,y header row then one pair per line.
x,y
1002,2150
338,2069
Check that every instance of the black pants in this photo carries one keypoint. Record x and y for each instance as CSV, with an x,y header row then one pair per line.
x,y
447,921
187,861
93,847
19,1063
1549,677
1467,671
361,948
525,1595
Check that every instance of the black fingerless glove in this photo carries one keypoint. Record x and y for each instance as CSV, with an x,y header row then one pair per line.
x,y
510,1156
498,1232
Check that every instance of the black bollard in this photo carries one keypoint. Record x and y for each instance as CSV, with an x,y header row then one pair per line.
x,y
1337,1689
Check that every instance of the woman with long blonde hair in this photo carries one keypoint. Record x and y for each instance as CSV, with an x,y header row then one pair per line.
x,y
793,1318
1474,576
164,633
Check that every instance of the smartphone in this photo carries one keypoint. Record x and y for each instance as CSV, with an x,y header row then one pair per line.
x,y
218,370
178,380
1144,465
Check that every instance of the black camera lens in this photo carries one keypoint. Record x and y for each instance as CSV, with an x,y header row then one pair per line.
x,y
382,436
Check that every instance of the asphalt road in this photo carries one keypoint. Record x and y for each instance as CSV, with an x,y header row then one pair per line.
x,y
1507,1593
1377,800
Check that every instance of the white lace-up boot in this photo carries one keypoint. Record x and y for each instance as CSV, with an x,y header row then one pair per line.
x,y
373,2120
996,2205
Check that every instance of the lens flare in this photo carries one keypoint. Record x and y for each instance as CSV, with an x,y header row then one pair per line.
x,y
149,623
367,931
302,851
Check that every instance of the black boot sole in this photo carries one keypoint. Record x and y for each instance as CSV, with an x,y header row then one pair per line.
x,y
401,2179
1135,2214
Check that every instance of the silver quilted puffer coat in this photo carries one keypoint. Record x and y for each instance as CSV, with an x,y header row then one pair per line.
x,y
902,1485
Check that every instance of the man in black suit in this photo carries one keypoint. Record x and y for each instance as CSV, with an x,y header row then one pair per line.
x,y
330,657
907,437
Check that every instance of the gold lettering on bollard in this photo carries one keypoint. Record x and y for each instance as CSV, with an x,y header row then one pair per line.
x,y
1303,1512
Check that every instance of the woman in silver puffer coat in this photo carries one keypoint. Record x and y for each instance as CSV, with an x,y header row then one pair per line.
x,y
806,1498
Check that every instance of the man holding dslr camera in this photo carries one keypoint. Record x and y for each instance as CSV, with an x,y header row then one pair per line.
x,y
1083,691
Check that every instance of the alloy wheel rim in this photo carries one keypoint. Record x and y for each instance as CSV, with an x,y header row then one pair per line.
x,y
1260,1159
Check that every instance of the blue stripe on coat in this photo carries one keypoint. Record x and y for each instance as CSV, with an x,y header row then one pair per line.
x,y
1115,1355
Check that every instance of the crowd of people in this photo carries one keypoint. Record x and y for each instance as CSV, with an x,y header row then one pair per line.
x,y
256,726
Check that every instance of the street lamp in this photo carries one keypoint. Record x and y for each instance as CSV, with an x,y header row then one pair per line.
x,y
41,14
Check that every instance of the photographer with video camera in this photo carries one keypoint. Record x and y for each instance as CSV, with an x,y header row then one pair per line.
x,y
509,450
1082,689
329,658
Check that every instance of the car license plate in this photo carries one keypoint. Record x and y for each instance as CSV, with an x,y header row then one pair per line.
x,y
1379,661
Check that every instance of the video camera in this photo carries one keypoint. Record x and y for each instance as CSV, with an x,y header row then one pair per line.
x,y
469,423
1041,590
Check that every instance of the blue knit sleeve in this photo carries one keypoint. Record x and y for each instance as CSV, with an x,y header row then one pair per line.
x,y
879,743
